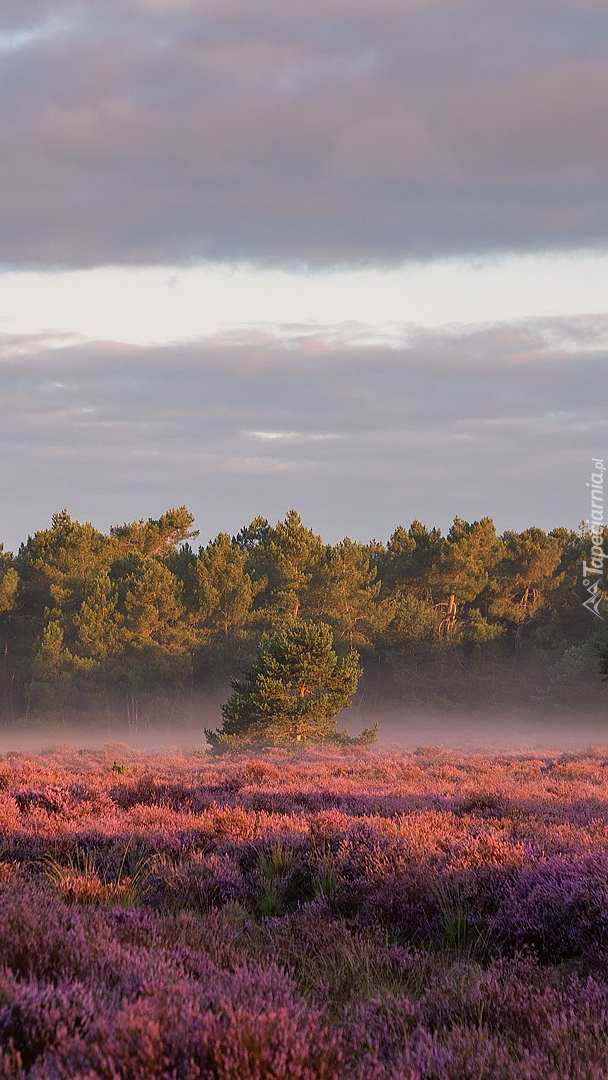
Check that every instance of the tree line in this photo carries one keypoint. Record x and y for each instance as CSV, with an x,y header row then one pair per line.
x,y
140,621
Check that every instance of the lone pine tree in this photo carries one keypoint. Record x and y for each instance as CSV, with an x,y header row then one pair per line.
x,y
292,692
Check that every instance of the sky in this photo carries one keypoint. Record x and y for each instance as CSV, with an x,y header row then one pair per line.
x,y
348,257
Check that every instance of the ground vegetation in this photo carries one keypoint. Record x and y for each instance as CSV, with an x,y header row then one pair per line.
x,y
338,913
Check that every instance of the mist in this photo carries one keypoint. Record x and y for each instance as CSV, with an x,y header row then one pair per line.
x,y
513,728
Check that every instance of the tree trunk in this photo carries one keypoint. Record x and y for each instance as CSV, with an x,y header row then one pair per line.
x,y
449,620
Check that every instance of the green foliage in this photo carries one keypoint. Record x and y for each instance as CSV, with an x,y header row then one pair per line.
x,y
285,563
409,555
154,537
413,620
225,589
525,576
477,629
292,692
461,571
56,565
349,594
98,623
51,684
135,620
9,582
573,678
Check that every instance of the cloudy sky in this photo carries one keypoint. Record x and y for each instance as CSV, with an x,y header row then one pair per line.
x,y
349,257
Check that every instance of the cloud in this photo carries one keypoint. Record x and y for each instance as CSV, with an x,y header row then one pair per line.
x,y
498,420
163,131
297,435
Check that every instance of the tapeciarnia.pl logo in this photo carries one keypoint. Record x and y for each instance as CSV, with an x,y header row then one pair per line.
x,y
593,571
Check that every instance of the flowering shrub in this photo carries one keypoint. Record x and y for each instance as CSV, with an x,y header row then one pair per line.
x,y
327,915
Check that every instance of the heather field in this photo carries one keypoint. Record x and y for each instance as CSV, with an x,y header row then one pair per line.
x,y
367,915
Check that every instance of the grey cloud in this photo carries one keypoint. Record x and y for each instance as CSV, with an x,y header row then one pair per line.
x,y
497,420
139,131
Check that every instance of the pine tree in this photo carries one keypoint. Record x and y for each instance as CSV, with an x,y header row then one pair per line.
x,y
9,640
224,589
523,579
284,560
52,688
9,582
461,572
292,692
221,609
97,623
408,557
156,657
348,593
57,565
153,537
